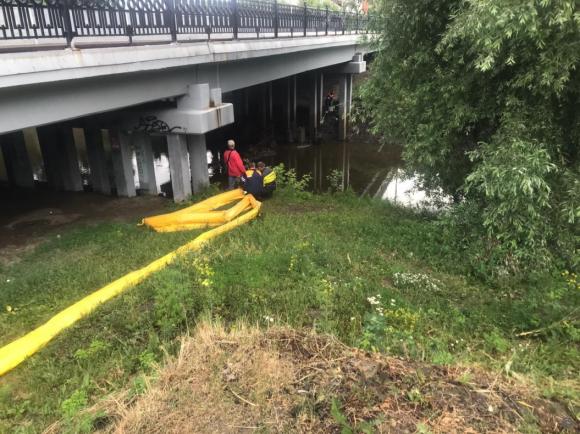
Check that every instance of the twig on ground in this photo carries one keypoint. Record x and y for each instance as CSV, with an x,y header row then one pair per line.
x,y
243,399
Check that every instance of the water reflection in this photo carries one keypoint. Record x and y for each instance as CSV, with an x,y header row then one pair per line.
x,y
365,167
405,190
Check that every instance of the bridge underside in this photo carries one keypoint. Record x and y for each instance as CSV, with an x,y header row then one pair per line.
x,y
114,102
81,83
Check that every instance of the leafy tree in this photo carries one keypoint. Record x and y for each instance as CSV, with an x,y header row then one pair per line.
x,y
485,96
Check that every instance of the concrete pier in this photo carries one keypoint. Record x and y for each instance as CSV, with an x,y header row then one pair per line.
x,y
321,97
290,109
100,179
342,107
198,162
60,157
16,160
179,166
314,107
348,93
121,154
145,163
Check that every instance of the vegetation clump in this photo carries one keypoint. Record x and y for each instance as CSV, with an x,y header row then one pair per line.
x,y
484,96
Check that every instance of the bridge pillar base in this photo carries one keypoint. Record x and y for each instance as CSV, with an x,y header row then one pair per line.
x,y
145,163
16,160
198,162
179,166
97,161
121,154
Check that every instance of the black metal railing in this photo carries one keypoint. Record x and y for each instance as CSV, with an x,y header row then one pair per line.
x,y
174,19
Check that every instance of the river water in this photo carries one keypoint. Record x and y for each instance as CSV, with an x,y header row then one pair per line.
x,y
367,168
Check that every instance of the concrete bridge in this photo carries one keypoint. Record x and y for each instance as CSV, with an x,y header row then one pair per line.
x,y
111,93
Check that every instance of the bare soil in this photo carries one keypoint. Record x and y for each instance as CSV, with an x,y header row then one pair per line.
x,y
26,219
283,380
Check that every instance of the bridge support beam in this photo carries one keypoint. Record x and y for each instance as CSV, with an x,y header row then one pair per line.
x,y
179,166
97,160
145,163
121,154
16,160
198,162
314,108
321,96
290,108
61,161
345,96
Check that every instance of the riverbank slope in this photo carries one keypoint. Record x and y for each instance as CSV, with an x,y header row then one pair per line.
x,y
374,276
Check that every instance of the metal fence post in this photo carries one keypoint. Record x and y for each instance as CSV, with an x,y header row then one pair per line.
x,y
305,18
235,18
326,25
356,30
172,18
343,21
65,13
276,21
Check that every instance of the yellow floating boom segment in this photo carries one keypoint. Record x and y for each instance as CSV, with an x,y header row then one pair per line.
x,y
199,215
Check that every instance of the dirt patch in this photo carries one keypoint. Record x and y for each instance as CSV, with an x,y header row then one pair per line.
x,y
283,380
27,219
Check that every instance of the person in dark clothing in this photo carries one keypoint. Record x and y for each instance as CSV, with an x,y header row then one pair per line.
x,y
269,179
329,101
253,181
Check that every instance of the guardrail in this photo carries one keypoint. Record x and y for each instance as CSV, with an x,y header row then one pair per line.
x,y
169,20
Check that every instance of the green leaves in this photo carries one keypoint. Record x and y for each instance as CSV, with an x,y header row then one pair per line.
x,y
484,95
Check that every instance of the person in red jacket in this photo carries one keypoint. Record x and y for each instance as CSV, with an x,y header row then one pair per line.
x,y
234,165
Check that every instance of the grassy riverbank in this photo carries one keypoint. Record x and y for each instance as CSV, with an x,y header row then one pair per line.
x,y
375,276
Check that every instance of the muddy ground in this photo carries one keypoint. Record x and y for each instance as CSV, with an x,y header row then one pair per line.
x,y
27,218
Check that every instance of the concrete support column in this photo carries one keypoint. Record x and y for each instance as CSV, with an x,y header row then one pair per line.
x,y
289,110
264,98
72,172
349,93
294,101
61,161
122,156
314,109
342,108
16,159
4,180
97,160
270,101
48,139
179,166
198,162
145,163
246,102
321,96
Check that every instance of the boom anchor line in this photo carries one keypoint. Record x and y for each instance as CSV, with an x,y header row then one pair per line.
x,y
204,214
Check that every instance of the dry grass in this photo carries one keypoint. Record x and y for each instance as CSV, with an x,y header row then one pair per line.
x,y
283,380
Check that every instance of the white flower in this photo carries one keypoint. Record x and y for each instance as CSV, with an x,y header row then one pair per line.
x,y
352,318
268,318
8,280
373,300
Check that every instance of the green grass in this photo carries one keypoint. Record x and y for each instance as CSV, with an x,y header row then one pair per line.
x,y
308,262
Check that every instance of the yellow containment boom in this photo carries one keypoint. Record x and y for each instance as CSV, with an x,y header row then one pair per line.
x,y
199,215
